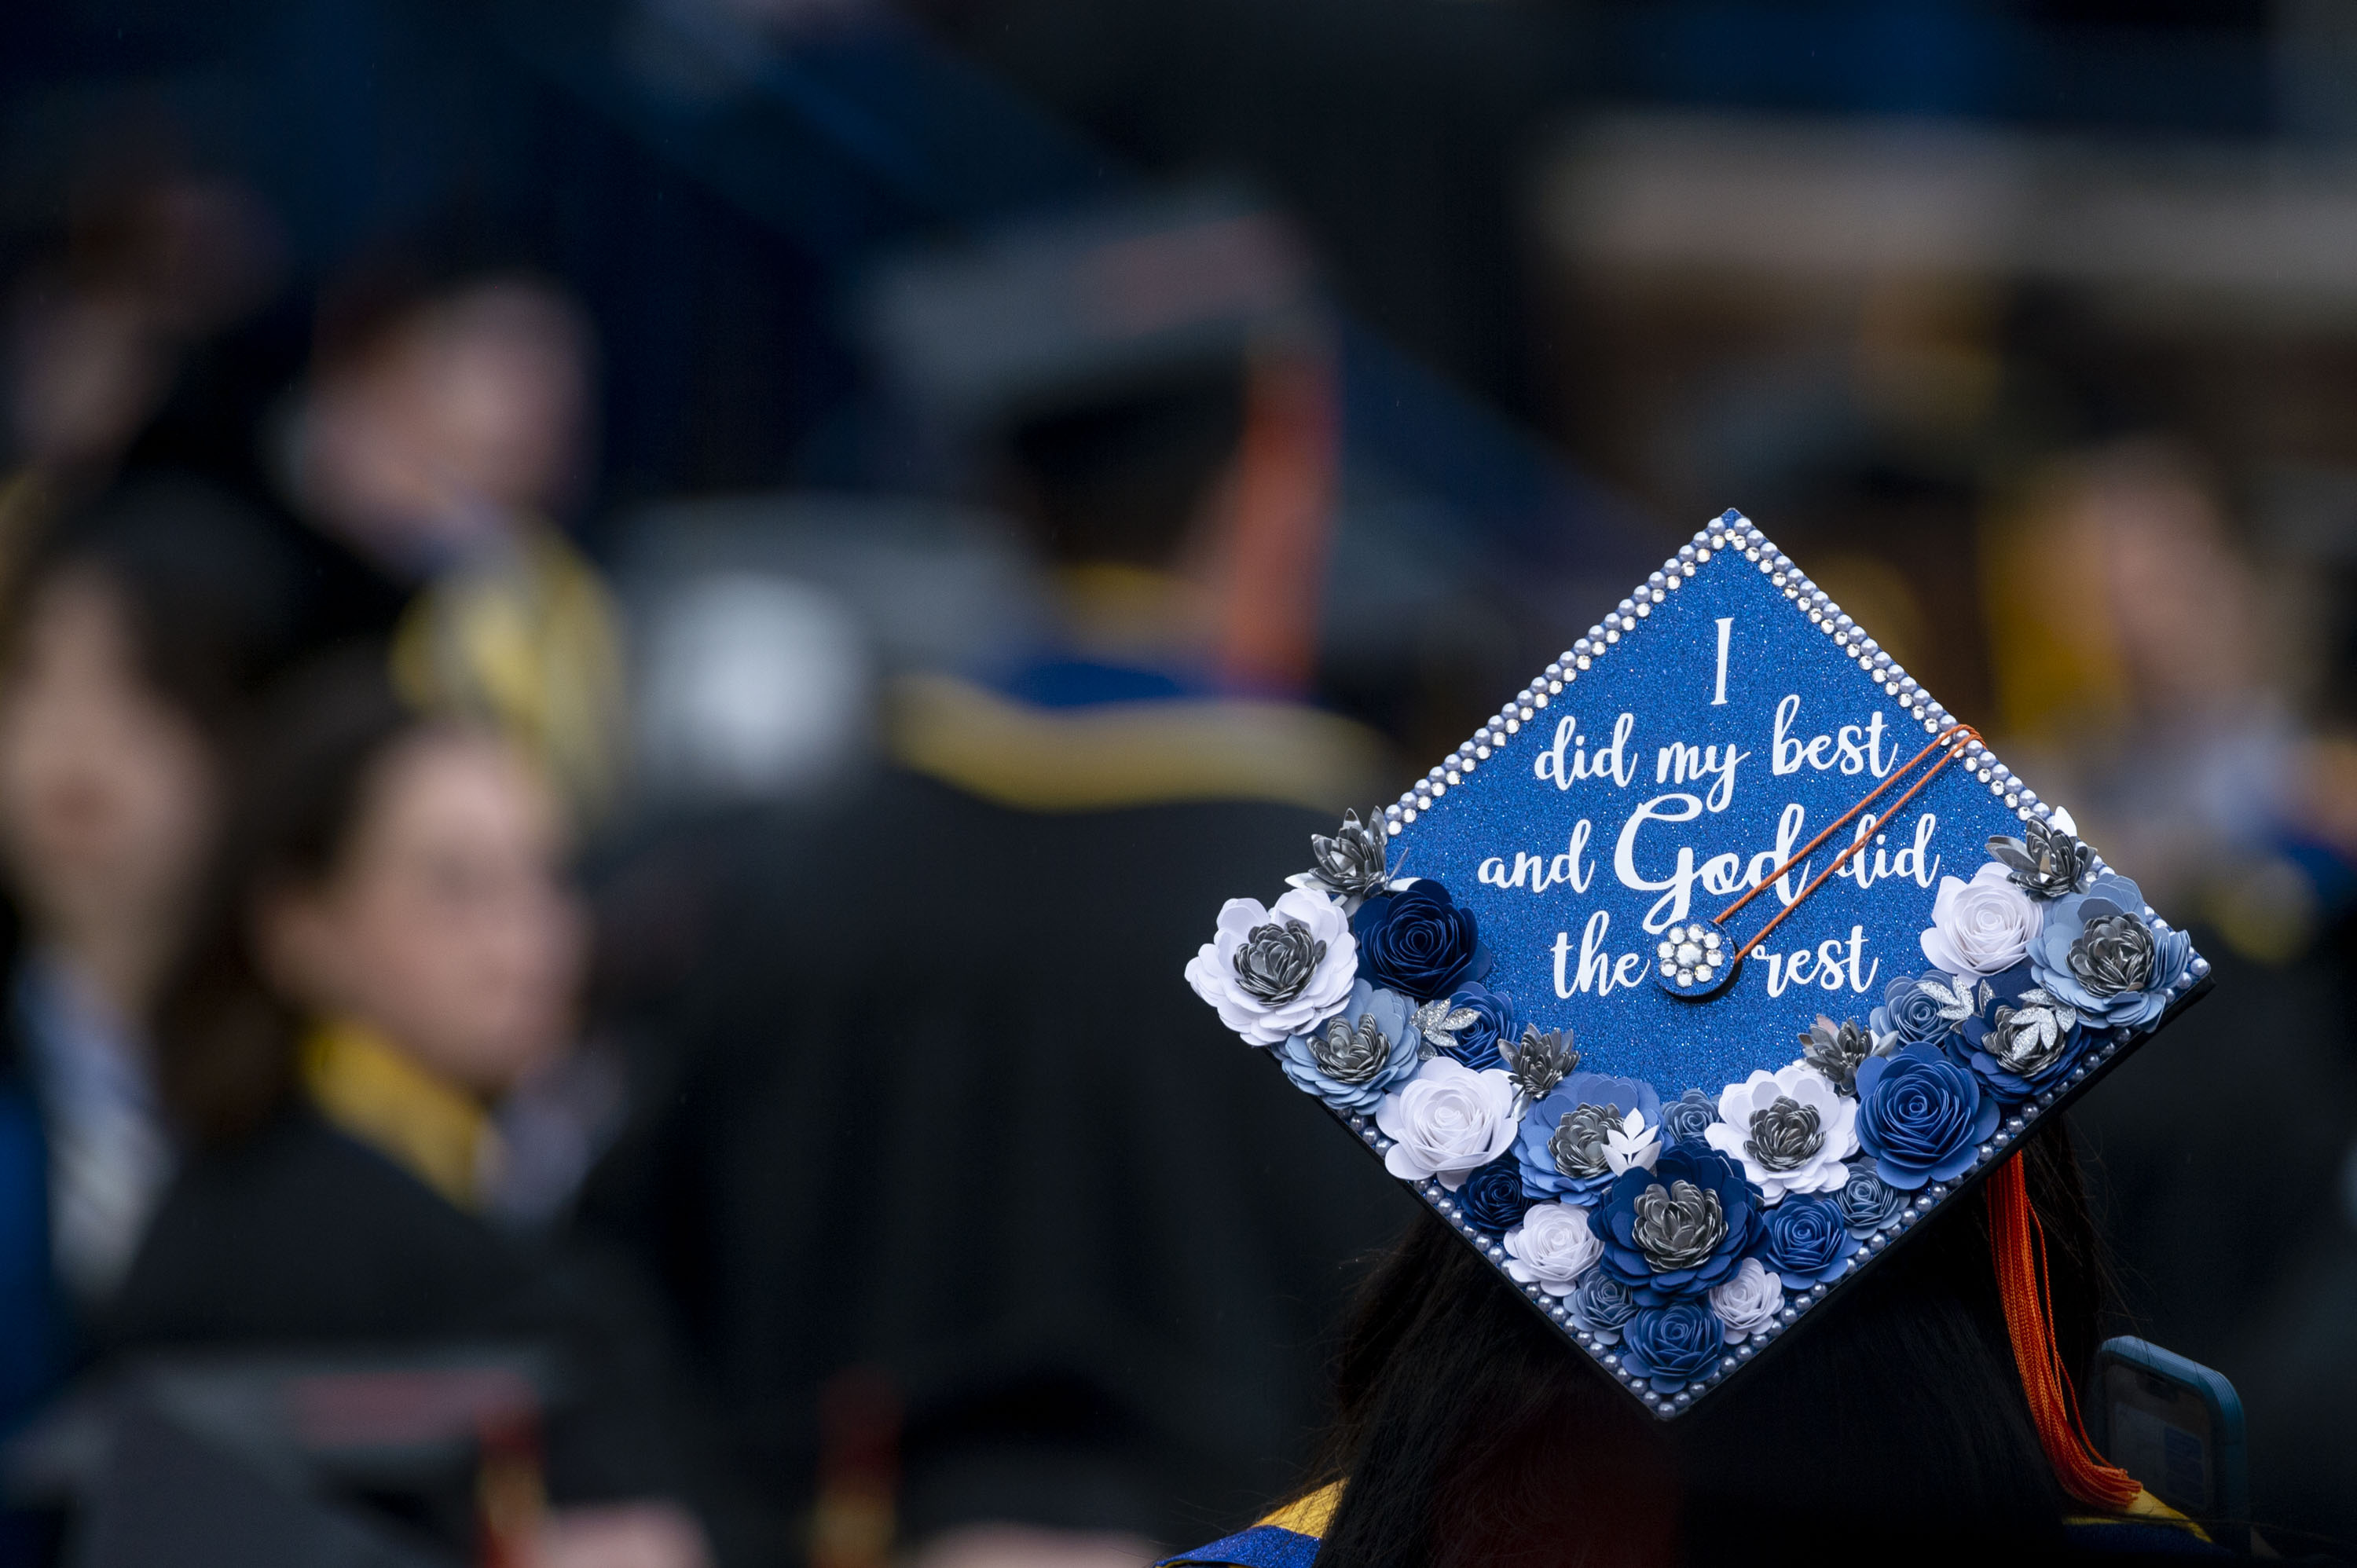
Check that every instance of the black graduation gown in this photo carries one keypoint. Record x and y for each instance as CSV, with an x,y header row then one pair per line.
x,y
947,1110
303,1238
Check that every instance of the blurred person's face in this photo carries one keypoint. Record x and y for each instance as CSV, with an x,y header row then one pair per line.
x,y
448,925
466,414
108,793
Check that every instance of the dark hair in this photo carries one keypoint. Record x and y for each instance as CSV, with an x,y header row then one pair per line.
x,y
225,1037
1122,477
1469,1433
205,601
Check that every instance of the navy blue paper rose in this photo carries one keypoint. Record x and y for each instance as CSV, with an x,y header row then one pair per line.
x,y
1576,1141
1868,1203
1491,1198
1921,1115
1602,1306
1688,1116
1805,1242
1674,1230
2099,955
2021,1037
1672,1346
1496,1020
1912,1012
1419,942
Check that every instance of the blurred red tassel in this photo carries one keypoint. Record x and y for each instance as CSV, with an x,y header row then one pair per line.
x,y
2018,1243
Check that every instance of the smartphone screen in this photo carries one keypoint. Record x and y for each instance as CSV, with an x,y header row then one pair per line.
x,y
2161,1432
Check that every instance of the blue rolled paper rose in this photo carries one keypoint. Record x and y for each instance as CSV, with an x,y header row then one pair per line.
x,y
2021,1037
1542,1147
1913,1013
1868,1203
1419,942
2099,954
1492,1200
1496,1021
1688,1116
1805,1240
1672,1346
1363,1052
1602,1306
1687,1238
1922,1116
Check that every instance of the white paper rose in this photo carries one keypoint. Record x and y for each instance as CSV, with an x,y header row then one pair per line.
x,y
1748,1301
1553,1247
1274,972
1447,1122
1791,1129
1983,926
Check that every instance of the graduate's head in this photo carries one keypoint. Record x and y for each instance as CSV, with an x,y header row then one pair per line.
x,y
1216,477
1471,1434
400,873
133,639
449,396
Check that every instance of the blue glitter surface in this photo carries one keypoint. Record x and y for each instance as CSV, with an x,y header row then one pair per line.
x,y
1660,687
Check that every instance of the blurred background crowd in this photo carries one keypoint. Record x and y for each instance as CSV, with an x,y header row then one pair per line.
x,y
618,617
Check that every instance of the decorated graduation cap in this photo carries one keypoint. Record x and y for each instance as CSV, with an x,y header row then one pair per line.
x,y
1719,959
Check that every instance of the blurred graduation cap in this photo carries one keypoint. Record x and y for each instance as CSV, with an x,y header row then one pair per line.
x,y
1719,959
1053,311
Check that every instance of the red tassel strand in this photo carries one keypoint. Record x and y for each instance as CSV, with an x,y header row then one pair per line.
x,y
2018,1243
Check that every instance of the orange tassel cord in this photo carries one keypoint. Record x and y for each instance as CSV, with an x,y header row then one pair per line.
x,y
2017,1244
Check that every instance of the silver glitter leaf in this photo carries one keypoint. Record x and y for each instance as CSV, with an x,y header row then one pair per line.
x,y
1437,1022
1955,998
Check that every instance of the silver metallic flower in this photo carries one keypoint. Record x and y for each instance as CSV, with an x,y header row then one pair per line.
x,y
2027,1039
1837,1050
1276,961
1581,1138
1785,1134
1540,1062
1348,1054
2046,862
1437,1022
1351,862
1678,1225
2114,955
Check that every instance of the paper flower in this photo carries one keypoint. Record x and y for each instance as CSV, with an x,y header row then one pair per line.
x,y
1360,1054
1492,1200
1748,1301
1921,1115
1806,1242
1868,1203
1349,864
2021,1037
1273,973
1496,1022
1419,942
1587,1132
1552,1247
1679,1227
1671,1345
1688,1116
1982,925
1602,1306
2099,955
1919,1009
2046,862
1791,1129
1835,1049
1447,1122
1539,1060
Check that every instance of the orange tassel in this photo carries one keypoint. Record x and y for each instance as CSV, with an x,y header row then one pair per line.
x,y
2018,1243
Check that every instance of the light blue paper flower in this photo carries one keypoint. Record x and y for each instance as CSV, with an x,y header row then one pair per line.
x,y
1363,1052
